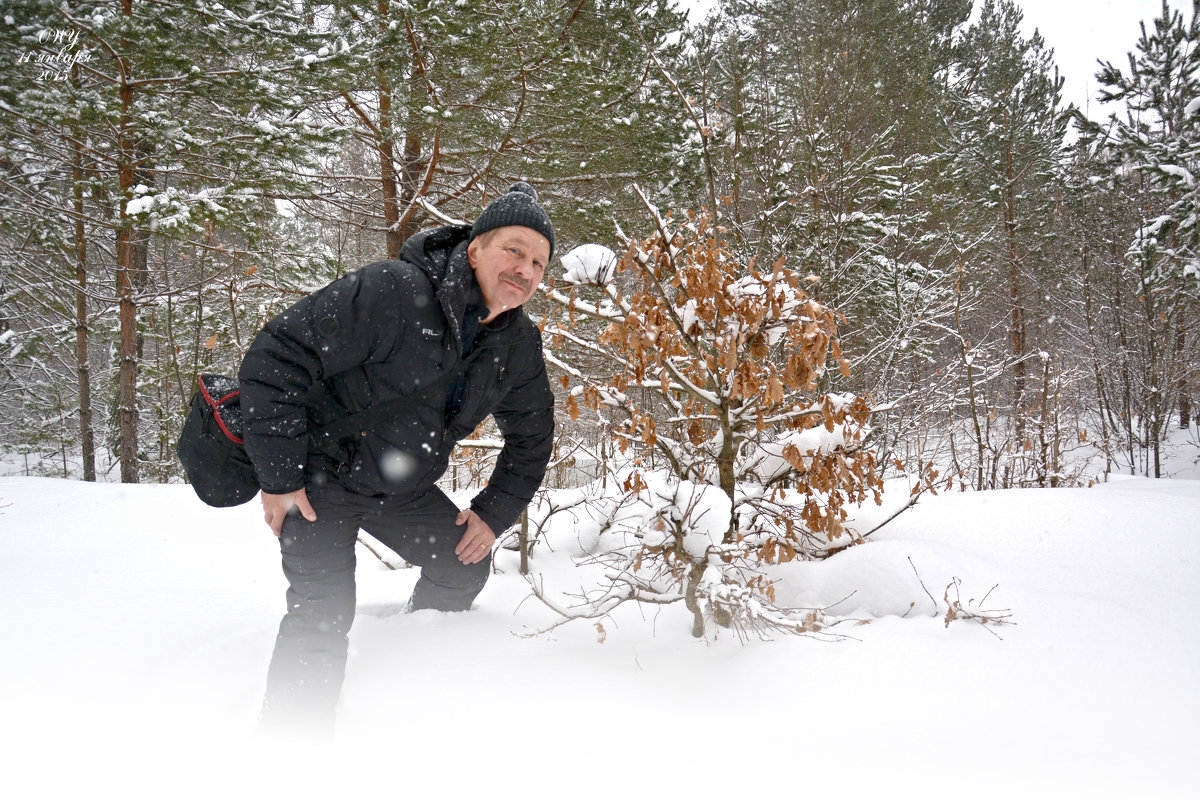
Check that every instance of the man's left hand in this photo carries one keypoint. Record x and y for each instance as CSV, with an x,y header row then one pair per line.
x,y
476,543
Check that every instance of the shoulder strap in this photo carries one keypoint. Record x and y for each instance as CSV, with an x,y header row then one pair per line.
x,y
327,438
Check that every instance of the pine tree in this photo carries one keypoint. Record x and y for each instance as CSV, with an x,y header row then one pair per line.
x,y
153,122
826,119
1005,138
450,102
1157,140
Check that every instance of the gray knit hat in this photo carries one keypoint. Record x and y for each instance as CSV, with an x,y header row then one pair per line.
x,y
517,206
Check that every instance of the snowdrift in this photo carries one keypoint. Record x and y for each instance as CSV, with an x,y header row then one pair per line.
x,y
138,624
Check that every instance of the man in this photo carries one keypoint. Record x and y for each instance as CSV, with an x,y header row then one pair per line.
x,y
397,328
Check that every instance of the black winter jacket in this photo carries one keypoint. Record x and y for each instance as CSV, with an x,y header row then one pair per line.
x,y
387,330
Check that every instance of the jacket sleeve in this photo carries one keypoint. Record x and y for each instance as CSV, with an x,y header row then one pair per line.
x,y
350,322
525,417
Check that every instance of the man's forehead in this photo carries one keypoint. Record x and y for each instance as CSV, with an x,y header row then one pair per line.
x,y
520,234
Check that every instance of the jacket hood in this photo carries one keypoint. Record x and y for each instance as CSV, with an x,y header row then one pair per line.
x,y
431,250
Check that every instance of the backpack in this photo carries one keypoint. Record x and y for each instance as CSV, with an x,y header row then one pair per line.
x,y
212,452
210,446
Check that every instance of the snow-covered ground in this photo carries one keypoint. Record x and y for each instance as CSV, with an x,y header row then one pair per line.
x,y
138,623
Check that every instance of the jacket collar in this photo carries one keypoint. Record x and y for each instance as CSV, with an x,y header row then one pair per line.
x,y
441,253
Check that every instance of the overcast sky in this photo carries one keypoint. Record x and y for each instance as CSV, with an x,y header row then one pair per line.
x,y
1080,31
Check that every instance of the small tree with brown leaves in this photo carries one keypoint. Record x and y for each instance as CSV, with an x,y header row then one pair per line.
x,y
707,370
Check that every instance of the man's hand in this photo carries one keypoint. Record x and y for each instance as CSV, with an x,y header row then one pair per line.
x,y
476,543
277,506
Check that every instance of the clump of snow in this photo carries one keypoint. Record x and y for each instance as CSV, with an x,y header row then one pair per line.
x,y
589,264
688,316
139,205
767,461
1179,172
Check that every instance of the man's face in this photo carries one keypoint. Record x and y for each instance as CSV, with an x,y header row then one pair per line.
x,y
509,263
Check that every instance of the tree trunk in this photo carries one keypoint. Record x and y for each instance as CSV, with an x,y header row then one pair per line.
x,y
726,472
1098,365
1016,311
83,373
523,542
968,364
387,170
386,149
127,448
692,601
127,445
1184,370
410,172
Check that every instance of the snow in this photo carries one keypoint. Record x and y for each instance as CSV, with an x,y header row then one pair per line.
x,y
139,205
138,624
589,263
768,461
1151,230
1178,172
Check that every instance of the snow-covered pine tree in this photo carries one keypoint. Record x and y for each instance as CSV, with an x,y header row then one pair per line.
x,y
157,122
1156,140
609,119
450,102
1005,135
44,241
826,117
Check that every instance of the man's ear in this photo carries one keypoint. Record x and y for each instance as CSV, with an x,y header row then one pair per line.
x,y
471,248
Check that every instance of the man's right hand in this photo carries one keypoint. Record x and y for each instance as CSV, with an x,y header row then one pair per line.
x,y
277,506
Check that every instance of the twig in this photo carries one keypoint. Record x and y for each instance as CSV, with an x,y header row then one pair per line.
x,y
956,610
912,501
375,553
914,566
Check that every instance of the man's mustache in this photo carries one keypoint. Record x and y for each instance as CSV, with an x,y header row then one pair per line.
x,y
515,278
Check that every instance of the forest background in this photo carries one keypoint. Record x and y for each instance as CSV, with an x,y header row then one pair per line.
x,y
1014,287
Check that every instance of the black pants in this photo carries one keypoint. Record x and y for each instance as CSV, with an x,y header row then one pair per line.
x,y
309,662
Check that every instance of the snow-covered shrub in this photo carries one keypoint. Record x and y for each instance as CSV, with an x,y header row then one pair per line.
x,y
704,371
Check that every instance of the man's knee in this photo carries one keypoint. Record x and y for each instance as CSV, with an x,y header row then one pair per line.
x,y
450,585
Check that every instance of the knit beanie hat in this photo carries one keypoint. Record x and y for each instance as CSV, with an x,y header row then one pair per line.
x,y
518,206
